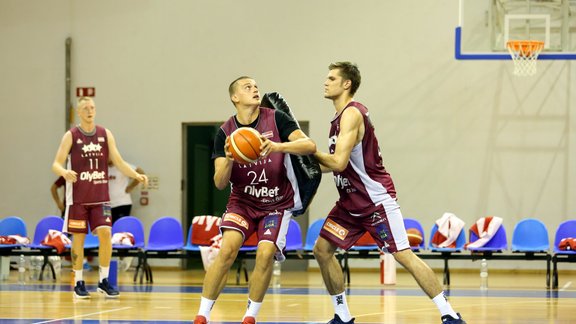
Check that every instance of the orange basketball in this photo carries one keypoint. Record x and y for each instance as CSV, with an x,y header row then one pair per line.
x,y
245,145
414,237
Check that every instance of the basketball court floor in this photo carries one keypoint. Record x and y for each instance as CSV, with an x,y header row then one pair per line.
x,y
512,297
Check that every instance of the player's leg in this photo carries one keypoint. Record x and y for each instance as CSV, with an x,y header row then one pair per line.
x,y
75,222
397,240
217,275
104,256
333,279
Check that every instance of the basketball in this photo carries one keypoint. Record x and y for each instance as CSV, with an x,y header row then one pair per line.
x,y
245,145
414,237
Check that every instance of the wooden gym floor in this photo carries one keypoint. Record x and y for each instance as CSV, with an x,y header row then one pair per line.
x,y
512,297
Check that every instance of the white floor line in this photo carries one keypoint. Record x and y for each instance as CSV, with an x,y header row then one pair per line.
x,y
85,315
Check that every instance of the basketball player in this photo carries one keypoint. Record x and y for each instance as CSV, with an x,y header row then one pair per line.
x,y
262,196
367,197
88,148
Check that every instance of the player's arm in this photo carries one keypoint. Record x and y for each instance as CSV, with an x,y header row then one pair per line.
x,y
60,159
223,160
298,143
134,182
119,162
56,197
350,124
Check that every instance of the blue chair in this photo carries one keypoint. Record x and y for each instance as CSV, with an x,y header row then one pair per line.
x,y
460,241
530,235
312,234
413,223
446,252
165,236
131,225
44,225
564,230
294,237
12,225
498,243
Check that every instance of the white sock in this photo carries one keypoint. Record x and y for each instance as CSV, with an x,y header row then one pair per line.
x,y
206,307
78,275
104,271
341,307
443,305
252,309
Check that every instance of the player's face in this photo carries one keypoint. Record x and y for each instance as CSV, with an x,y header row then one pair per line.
x,y
247,93
334,85
87,111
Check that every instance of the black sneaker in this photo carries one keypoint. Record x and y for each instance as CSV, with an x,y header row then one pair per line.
x,y
337,320
447,319
80,290
107,289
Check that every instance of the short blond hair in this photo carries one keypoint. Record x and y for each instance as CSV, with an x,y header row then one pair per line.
x,y
82,100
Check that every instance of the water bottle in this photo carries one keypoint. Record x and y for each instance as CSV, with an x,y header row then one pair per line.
x,y
276,274
483,275
22,269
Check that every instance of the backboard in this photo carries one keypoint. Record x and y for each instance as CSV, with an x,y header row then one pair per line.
x,y
485,26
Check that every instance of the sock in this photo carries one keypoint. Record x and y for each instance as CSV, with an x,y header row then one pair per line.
x,y
104,271
443,305
252,309
341,307
78,275
206,307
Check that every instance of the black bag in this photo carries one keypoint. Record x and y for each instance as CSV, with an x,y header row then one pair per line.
x,y
306,167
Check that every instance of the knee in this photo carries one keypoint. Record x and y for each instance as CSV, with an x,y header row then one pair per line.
x,y
227,255
322,253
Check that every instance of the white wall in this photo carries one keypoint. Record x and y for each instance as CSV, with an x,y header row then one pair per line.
x,y
467,137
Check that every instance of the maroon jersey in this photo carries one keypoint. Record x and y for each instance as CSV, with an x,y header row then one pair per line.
x,y
263,185
364,183
89,159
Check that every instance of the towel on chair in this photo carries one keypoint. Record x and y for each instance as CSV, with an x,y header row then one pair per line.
x,y
57,240
567,244
14,239
123,238
485,228
449,227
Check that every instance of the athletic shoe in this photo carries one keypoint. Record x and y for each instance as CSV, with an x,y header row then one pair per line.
x,y
447,319
337,320
106,288
80,290
249,320
200,320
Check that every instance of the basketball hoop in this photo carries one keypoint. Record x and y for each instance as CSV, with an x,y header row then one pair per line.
x,y
524,54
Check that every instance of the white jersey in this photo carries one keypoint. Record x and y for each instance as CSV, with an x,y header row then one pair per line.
x,y
117,183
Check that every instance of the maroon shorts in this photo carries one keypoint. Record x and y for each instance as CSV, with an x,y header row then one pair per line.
x,y
268,226
386,226
80,218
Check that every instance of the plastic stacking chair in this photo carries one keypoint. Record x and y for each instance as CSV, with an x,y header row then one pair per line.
x,y
206,227
12,225
413,223
446,252
530,235
132,225
565,229
312,234
44,225
165,236
497,244
294,237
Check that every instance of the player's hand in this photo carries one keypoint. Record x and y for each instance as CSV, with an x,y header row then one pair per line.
x,y
143,179
268,147
70,175
229,156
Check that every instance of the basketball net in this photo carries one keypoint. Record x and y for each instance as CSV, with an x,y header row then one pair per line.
x,y
524,55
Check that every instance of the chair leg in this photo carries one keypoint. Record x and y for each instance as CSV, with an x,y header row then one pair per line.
x,y
555,272
547,271
446,273
45,262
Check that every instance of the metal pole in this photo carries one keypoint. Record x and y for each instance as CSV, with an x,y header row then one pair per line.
x,y
68,112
